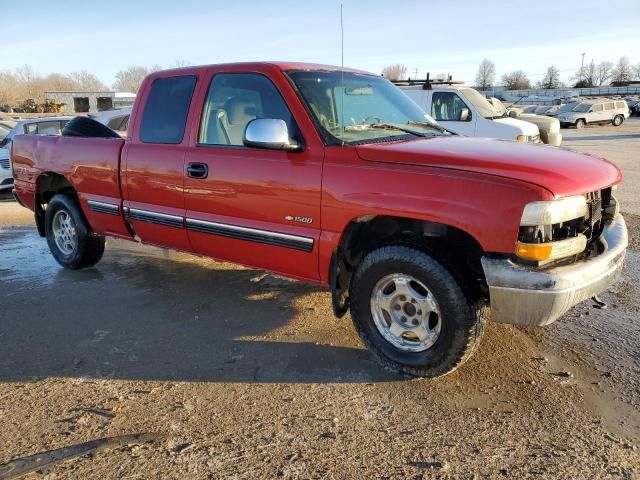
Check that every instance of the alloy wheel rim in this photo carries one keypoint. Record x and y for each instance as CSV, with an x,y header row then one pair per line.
x,y
64,232
405,313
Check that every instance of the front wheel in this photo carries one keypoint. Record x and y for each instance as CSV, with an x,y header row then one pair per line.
x,y
580,123
72,242
412,314
617,120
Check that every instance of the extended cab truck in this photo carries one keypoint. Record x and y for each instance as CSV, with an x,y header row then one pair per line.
x,y
336,177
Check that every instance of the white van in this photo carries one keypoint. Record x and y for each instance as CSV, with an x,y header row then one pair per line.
x,y
611,111
465,111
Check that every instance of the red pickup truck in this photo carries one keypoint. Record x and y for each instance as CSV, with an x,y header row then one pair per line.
x,y
335,177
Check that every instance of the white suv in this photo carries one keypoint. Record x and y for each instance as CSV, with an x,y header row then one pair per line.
x,y
611,111
464,111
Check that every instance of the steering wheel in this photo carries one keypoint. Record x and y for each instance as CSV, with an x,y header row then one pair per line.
x,y
367,120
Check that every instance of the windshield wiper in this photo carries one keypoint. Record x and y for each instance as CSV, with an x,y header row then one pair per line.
x,y
428,125
391,126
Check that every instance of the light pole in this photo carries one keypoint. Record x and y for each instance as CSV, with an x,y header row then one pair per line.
x,y
581,67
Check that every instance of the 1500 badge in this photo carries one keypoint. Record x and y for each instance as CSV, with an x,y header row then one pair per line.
x,y
294,218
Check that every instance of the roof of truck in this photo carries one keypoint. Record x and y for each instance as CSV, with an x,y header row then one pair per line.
x,y
284,66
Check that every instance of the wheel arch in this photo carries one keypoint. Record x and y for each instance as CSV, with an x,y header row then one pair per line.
x,y
457,249
49,184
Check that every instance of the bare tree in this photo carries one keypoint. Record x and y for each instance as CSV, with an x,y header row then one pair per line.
x,y
84,80
603,71
551,79
622,71
24,83
516,80
180,63
636,71
129,80
395,72
486,75
586,76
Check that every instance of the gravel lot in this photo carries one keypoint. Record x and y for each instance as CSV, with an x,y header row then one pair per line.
x,y
235,373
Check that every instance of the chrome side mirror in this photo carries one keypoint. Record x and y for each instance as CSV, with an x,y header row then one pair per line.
x,y
465,115
271,133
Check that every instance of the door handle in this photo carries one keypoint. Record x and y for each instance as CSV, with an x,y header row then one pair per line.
x,y
197,170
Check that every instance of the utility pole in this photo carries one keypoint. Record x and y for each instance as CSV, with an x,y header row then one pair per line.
x,y
581,67
416,77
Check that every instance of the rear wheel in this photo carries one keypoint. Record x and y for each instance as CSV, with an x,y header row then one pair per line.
x,y
617,120
580,123
72,242
412,314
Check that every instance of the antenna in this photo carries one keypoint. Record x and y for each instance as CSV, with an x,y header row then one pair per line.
x,y
342,74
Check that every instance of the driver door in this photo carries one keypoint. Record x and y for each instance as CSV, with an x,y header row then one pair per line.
x,y
255,206
446,109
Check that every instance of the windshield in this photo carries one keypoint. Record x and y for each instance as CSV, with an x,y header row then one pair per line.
x,y
583,107
567,107
482,105
358,108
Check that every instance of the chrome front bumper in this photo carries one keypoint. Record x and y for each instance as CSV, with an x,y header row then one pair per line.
x,y
527,296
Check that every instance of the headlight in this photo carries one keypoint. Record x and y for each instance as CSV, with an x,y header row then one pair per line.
x,y
526,138
555,211
552,230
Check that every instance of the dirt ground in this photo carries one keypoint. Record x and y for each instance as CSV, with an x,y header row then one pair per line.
x,y
234,373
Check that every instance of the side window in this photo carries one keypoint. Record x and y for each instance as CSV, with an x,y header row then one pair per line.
x,y
165,113
49,128
609,106
31,129
234,100
446,106
620,104
597,108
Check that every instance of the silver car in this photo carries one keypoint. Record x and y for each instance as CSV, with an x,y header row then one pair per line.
x,y
31,126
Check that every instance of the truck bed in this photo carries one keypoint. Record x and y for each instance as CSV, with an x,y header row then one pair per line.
x,y
91,165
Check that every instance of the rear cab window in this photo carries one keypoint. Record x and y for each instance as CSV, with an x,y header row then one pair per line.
x,y
165,114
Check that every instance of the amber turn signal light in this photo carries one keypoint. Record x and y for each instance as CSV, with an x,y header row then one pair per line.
x,y
534,251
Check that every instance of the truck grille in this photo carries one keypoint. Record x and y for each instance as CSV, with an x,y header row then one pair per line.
x,y
4,163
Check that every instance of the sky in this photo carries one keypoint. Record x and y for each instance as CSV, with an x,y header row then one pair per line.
x,y
431,36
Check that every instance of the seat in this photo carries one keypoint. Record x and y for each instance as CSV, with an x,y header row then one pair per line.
x,y
239,112
216,129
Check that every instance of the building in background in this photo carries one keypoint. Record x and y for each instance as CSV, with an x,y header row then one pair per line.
x,y
90,102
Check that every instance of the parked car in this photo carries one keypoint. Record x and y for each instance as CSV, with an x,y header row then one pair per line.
x,y
465,111
549,127
529,108
334,176
594,112
32,126
117,119
565,107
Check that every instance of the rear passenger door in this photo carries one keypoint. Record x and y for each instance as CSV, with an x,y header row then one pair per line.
x,y
597,113
257,207
153,163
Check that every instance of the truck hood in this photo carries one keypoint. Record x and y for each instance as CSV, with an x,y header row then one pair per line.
x,y
527,128
561,171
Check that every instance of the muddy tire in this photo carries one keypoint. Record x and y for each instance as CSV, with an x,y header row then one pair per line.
x,y
580,123
87,127
617,120
412,314
72,242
